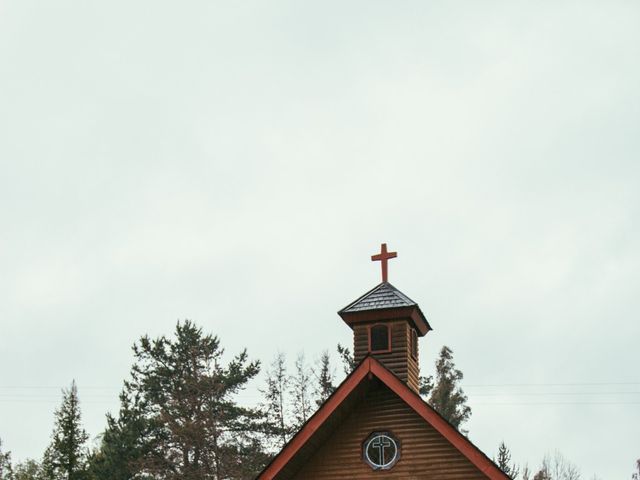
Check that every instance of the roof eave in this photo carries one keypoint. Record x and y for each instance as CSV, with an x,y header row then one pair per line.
x,y
367,366
412,313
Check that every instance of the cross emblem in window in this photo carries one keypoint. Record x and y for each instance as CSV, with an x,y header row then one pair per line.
x,y
381,450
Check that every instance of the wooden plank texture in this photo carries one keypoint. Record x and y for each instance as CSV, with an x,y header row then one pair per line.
x,y
425,453
399,360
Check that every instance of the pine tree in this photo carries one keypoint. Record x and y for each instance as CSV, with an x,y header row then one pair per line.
x,y
446,396
301,393
195,420
348,362
124,443
66,456
324,379
275,405
425,385
6,472
27,470
179,418
244,461
504,462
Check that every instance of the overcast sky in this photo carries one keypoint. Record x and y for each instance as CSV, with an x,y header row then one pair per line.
x,y
237,163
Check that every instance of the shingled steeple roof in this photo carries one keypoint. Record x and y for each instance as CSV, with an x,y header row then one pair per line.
x,y
385,300
383,295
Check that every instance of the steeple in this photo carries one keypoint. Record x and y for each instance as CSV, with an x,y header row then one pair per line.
x,y
386,324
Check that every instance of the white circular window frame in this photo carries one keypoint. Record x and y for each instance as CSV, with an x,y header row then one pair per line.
x,y
390,463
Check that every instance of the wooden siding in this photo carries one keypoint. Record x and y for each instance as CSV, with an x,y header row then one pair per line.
x,y
399,360
425,453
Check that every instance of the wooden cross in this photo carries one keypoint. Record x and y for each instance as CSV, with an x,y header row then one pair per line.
x,y
383,257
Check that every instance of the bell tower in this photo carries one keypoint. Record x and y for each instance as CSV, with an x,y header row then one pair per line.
x,y
386,324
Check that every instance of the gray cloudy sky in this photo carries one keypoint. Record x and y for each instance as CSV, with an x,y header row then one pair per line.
x,y
237,163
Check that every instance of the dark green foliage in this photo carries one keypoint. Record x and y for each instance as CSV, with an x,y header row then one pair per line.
x,y
275,406
188,394
348,362
27,470
66,456
46,467
426,385
324,379
505,463
6,472
245,461
446,396
179,418
124,443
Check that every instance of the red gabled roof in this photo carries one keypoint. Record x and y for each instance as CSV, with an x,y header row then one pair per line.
x,y
371,366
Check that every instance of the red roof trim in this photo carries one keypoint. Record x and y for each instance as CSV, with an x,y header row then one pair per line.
x,y
448,431
309,428
371,365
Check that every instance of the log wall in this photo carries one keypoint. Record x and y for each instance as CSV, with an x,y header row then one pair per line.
x,y
425,453
400,359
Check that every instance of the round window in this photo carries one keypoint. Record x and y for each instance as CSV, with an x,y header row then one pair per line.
x,y
381,450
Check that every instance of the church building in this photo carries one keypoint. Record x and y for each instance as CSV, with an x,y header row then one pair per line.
x,y
376,425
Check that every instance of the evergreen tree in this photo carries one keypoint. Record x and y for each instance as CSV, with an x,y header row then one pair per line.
x,y
301,393
348,362
324,379
425,385
66,456
504,461
179,418
124,443
244,461
47,467
274,405
6,472
446,396
27,470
